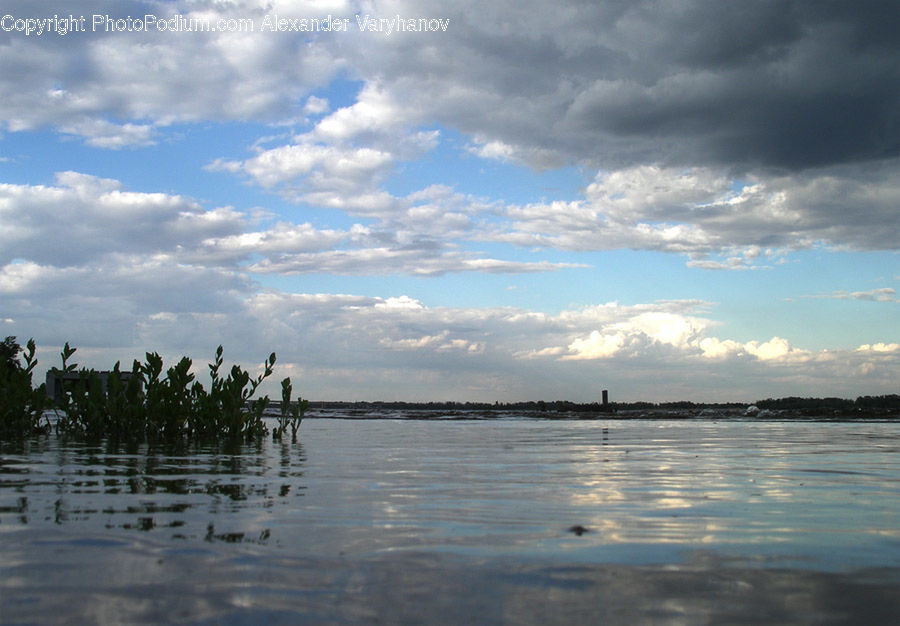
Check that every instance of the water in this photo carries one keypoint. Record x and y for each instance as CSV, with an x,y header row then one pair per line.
x,y
450,521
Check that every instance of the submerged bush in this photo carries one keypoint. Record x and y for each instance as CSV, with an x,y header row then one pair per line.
x,y
145,404
21,406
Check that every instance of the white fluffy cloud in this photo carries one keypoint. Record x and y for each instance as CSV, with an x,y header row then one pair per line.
x,y
88,84
123,270
341,162
328,341
332,166
701,212
120,304
84,219
670,335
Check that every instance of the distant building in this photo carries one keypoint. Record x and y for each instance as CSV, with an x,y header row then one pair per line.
x,y
59,382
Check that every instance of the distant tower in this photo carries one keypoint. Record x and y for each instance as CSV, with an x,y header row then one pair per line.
x,y
605,397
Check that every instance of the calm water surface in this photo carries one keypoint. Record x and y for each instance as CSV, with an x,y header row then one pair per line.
x,y
449,521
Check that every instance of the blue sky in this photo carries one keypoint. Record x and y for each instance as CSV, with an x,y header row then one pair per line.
x,y
668,199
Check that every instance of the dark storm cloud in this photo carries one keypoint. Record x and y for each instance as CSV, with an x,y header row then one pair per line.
x,y
780,84
749,85
787,85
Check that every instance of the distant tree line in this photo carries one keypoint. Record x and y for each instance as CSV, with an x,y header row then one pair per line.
x,y
887,402
558,406
794,403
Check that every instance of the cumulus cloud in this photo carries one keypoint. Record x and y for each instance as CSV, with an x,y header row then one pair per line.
x,y
662,332
528,354
522,354
83,84
328,341
140,269
84,218
596,346
102,133
703,213
880,347
341,162
331,166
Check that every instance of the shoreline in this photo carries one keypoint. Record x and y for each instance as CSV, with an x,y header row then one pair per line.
x,y
438,414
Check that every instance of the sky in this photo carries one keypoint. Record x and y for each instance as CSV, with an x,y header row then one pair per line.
x,y
504,201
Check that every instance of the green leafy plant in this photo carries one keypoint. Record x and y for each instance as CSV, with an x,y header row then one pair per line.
x,y
21,406
149,403
291,414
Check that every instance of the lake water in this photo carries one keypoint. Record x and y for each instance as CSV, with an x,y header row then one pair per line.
x,y
448,521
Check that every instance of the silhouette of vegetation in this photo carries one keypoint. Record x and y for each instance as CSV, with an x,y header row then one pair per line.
x,y
868,406
819,406
146,404
539,406
878,402
21,406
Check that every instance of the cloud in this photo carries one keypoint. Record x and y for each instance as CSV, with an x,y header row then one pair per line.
x,y
341,162
517,346
316,106
666,330
595,346
636,334
732,140
703,213
649,332
118,302
884,348
731,135
104,304
326,342
83,83
282,238
789,85
416,261
105,134
85,220
884,294
329,166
